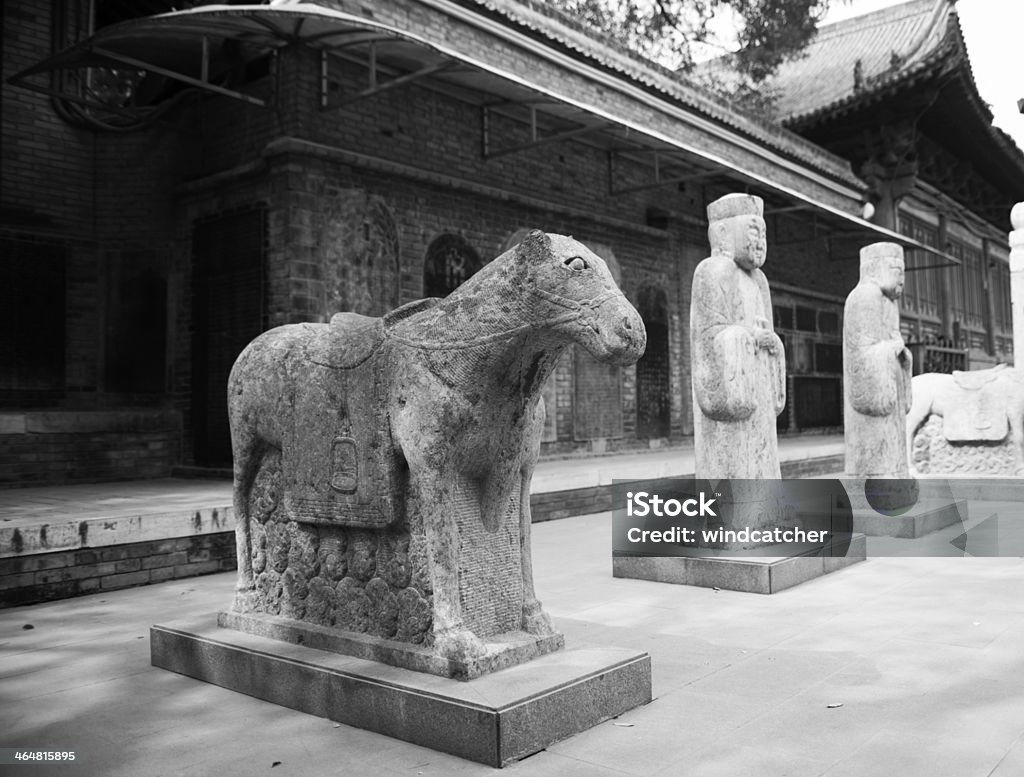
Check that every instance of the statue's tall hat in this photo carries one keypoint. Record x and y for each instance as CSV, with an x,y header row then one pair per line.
x,y
735,205
872,255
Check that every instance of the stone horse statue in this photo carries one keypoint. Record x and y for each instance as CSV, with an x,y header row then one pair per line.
x,y
426,425
979,410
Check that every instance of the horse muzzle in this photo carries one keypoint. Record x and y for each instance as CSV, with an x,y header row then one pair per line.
x,y
628,339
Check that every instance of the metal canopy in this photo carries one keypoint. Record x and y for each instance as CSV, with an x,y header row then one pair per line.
x,y
200,47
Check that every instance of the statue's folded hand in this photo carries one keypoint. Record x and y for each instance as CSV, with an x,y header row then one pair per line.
x,y
767,340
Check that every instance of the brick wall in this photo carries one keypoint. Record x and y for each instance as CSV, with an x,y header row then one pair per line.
x,y
414,149
105,199
798,251
48,576
302,185
60,447
47,165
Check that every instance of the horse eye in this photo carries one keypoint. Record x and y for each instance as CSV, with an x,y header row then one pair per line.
x,y
576,263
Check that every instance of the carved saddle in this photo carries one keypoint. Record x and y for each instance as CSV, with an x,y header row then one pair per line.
x,y
337,458
978,412
973,380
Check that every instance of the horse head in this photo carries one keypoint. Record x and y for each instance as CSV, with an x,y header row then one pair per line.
x,y
575,297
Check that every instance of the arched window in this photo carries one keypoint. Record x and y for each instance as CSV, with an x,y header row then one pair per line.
x,y
450,262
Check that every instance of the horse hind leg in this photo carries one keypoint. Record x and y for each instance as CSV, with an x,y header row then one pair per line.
x,y
247,449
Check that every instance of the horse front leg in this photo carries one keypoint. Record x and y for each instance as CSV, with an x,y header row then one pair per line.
x,y
434,492
535,620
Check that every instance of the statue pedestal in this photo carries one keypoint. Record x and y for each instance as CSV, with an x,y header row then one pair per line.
x,y
494,719
747,572
908,512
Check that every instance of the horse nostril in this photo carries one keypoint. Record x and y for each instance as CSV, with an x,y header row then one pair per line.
x,y
626,324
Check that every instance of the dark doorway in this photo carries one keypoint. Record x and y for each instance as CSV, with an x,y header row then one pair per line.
x,y
33,319
228,262
136,323
818,402
653,397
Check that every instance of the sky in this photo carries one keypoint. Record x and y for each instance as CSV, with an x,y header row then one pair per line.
x,y
994,34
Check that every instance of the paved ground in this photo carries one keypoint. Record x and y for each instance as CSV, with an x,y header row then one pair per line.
x,y
897,666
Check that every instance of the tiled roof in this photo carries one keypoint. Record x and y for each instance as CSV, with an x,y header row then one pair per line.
x,y
543,20
866,54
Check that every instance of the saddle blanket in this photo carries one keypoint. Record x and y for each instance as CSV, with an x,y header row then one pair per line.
x,y
978,410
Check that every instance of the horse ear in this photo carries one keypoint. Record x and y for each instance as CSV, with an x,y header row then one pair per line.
x,y
535,245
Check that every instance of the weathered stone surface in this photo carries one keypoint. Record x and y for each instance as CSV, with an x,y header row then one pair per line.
x,y
968,423
383,465
876,368
739,381
373,645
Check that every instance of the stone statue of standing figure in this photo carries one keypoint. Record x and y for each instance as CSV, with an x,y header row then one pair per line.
x,y
739,364
876,368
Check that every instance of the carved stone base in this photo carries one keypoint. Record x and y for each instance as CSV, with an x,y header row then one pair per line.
x,y
494,720
503,650
760,575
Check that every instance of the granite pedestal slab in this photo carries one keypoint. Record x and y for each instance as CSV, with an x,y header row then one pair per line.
x,y
750,573
494,719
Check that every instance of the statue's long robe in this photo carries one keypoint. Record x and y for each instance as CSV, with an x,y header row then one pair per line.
x,y
738,388
877,385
